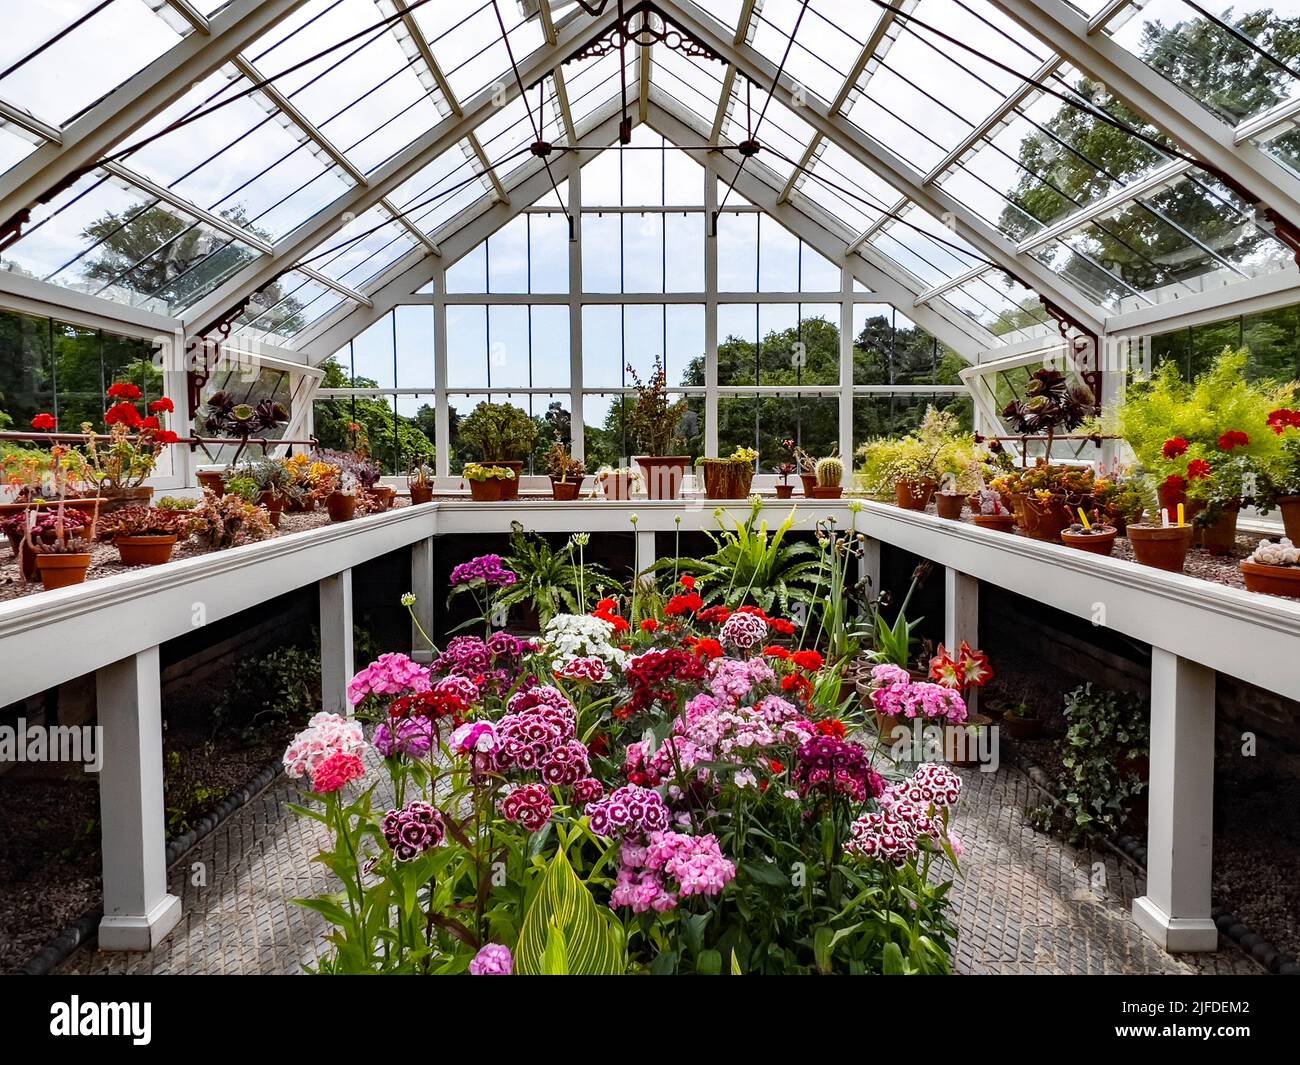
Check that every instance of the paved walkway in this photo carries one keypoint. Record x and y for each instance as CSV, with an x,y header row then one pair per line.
x,y
1026,903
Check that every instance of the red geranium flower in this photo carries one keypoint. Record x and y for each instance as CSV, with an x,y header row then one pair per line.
x,y
1198,469
1174,447
776,651
158,406
649,625
124,390
1233,438
812,661
151,422
1174,483
1283,419
832,726
785,628
775,766
713,614
683,604
705,647
44,422
123,414
688,582
165,436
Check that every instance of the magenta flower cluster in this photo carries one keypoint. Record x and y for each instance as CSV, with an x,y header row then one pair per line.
x,y
732,679
920,699
528,805
494,663
655,875
910,817
539,723
413,829
411,736
629,810
833,766
743,631
494,959
490,569
389,674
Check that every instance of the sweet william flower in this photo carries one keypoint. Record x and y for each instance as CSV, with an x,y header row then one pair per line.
x,y
339,769
493,960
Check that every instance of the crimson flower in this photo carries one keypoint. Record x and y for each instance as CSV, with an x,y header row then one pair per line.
x,y
165,436
649,625
159,406
1233,438
832,726
1174,483
683,604
1174,447
688,582
714,614
973,666
776,651
1283,419
151,422
1198,469
124,390
44,422
123,414
774,766
811,661
705,647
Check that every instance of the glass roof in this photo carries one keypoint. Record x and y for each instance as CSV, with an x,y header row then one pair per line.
x,y
281,139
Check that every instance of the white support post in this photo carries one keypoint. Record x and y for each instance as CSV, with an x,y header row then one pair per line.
x,y
336,667
1175,911
577,404
710,314
961,618
441,405
870,565
846,372
422,588
138,911
645,551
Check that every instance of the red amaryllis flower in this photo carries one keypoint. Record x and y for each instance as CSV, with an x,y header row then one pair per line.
x,y
124,390
1233,438
649,625
1283,419
44,422
943,669
1174,447
832,726
811,661
159,406
973,666
123,414
1198,469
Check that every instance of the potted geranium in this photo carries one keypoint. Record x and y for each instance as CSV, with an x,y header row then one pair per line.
x,y
1283,487
144,536
490,483
504,435
1273,568
136,439
565,471
730,477
653,424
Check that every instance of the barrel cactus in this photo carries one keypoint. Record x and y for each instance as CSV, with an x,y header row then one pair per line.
x,y
829,472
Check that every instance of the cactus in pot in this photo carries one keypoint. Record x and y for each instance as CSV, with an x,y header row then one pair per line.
x,y
829,473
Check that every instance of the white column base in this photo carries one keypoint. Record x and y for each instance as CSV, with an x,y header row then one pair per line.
x,y
1175,934
136,932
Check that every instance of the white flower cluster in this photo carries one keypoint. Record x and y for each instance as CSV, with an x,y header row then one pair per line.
x,y
1282,553
570,636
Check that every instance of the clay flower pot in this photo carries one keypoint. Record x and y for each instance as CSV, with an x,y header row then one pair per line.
x,y
1290,508
213,481
1220,536
663,474
1101,541
386,495
809,481
1162,546
421,493
1004,522
60,571
509,488
341,507
488,491
1042,520
145,550
565,490
117,498
914,495
784,491
961,743
950,505
274,506
1022,728
617,485
1272,580
827,491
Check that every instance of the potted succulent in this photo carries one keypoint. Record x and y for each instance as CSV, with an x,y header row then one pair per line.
x,y
1096,538
419,482
60,545
1046,498
490,483
730,477
1051,402
1122,494
908,468
226,416
120,466
504,435
565,471
989,512
785,490
616,482
653,424
1273,568
342,499
807,465
44,530
1163,546
144,536
223,521
271,482
1022,722
830,472
950,499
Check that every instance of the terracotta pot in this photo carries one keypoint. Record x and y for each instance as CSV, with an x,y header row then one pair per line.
x,y
421,493
145,550
274,506
1169,500
386,495
1041,521
1290,508
510,487
1100,542
489,491
724,479
809,481
60,571
886,723
1272,580
828,491
784,491
341,507
1164,547
914,495
213,481
961,742
663,474
116,499
27,561
1220,536
949,505
1004,522
565,490
618,485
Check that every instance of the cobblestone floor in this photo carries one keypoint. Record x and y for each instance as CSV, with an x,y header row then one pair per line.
x,y
1026,903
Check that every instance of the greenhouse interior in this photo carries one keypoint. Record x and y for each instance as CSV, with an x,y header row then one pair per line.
x,y
439,439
